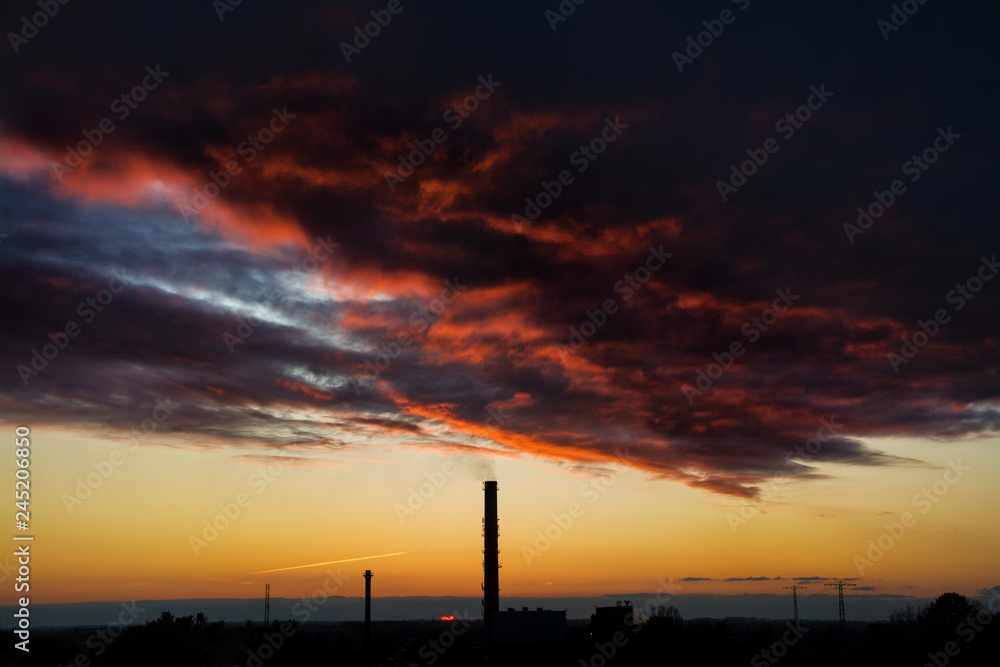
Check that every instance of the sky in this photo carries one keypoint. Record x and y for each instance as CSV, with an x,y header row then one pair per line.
x,y
707,288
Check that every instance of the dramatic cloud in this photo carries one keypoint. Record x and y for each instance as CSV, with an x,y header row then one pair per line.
x,y
296,276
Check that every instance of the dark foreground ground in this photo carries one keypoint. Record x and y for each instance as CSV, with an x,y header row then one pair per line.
x,y
193,642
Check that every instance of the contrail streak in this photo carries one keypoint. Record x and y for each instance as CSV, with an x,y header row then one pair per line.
x,y
330,562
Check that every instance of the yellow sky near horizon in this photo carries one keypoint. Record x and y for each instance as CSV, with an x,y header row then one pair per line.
x,y
136,535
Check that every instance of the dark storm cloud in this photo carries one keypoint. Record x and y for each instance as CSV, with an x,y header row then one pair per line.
x,y
496,345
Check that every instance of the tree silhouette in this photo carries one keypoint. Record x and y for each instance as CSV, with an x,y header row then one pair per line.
x,y
907,616
671,613
947,611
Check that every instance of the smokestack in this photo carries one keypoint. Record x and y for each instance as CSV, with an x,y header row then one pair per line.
x,y
491,559
368,607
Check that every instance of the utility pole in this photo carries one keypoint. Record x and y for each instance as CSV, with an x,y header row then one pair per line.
x,y
840,589
795,601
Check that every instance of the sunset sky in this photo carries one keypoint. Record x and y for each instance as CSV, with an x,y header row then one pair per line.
x,y
233,281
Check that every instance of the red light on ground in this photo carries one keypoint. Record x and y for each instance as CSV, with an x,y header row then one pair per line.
x,y
447,618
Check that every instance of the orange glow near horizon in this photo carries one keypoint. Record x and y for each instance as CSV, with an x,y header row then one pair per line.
x,y
107,549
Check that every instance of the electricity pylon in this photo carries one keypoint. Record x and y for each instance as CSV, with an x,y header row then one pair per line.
x,y
840,589
795,601
267,604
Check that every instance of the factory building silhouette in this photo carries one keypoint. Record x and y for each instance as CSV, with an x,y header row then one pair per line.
x,y
538,631
606,621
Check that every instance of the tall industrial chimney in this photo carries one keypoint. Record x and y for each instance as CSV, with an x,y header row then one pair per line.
x,y
368,607
491,559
